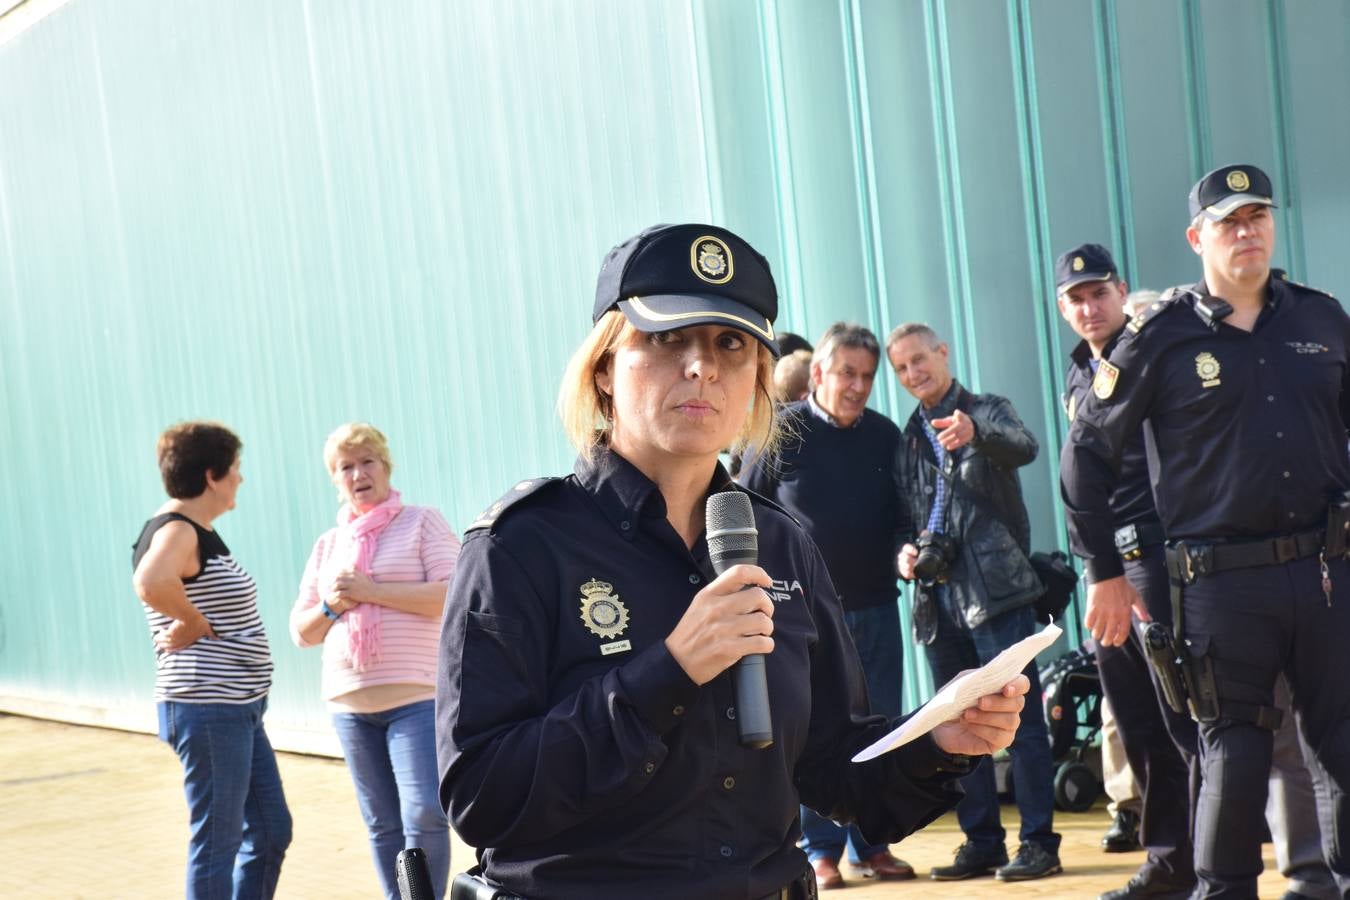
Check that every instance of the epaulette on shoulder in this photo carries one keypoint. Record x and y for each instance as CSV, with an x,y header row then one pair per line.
x,y
489,517
1150,312
760,498
1284,276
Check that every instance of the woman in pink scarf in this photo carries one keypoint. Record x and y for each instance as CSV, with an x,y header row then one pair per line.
x,y
372,595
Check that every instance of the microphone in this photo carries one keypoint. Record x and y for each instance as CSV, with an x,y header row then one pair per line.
x,y
414,877
733,540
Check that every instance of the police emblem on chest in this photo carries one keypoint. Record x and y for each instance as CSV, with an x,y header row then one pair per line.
x,y
1207,367
604,615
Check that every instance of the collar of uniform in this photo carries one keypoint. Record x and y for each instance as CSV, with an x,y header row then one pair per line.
x,y
1082,354
1273,286
820,413
624,494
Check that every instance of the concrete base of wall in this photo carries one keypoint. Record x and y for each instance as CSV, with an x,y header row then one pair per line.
x,y
142,719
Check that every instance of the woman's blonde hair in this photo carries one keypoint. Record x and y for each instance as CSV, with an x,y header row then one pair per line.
x,y
355,435
587,412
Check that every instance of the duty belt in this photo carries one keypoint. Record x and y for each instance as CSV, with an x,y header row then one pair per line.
x,y
1188,560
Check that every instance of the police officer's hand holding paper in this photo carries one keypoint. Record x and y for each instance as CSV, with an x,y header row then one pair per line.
x,y
586,719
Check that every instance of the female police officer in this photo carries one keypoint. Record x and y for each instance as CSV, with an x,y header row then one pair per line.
x,y
585,712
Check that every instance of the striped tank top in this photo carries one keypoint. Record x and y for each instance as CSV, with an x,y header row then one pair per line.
x,y
235,666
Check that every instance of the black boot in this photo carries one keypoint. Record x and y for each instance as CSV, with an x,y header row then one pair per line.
x,y
1123,835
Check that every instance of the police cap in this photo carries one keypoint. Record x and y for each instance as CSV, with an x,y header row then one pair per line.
x,y
1084,263
676,276
1228,187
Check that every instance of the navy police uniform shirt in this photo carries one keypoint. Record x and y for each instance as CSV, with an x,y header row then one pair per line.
x,y
1132,497
580,758
1249,428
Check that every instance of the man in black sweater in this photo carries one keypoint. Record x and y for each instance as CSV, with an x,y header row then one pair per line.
x,y
835,477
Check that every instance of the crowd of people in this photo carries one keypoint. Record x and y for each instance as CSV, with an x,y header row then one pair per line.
x,y
564,689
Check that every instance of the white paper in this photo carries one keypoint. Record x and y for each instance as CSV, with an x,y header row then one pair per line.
x,y
965,690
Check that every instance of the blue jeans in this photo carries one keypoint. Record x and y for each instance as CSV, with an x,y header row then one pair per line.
x,y
237,811
392,758
876,634
956,648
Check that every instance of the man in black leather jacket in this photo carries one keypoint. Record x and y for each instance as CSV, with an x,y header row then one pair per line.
x,y
956,473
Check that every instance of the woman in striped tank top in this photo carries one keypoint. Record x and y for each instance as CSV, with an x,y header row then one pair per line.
x,y
213,669
372,595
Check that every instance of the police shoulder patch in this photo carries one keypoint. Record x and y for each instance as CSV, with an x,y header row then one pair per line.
x,y
489,517
1303,287
1104,383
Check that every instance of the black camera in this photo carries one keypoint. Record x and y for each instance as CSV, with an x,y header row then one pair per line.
x,y
937,552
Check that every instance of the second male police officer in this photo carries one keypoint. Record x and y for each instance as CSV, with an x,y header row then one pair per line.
x,y
1242,381
1091,298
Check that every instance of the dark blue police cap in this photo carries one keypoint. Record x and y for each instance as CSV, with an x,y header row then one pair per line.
x,y
1084,263
676,276
1228,187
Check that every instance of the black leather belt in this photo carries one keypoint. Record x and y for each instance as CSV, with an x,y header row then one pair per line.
x,y
1188,560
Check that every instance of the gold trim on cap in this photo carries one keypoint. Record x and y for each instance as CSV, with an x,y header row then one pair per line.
x,y
642,309
1222,211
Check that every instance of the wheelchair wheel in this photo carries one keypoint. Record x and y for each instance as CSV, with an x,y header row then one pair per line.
x,y
1076,787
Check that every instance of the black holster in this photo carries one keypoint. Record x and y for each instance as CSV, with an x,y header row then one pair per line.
x,y
468,886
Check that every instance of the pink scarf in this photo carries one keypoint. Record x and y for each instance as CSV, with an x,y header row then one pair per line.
x,y
358,536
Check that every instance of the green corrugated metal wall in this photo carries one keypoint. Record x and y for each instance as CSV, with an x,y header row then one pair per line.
x,y
286,215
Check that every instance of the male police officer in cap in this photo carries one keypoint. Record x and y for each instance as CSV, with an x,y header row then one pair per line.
x,y
1242,382
1091,298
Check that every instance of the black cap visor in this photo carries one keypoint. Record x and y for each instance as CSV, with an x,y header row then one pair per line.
x,y
1083,278
1224,208
667,312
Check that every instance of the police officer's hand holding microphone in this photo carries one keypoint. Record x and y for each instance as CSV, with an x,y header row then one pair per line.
x,y
610,654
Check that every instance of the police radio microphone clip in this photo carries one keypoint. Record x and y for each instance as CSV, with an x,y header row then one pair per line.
x,y
414,876
733,540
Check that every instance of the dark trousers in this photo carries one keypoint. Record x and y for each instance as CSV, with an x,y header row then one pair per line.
x,y
1154,736
1256,623
955,649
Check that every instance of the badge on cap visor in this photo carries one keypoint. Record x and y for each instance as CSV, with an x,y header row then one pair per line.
x,y
711,260
1104,384
1237,180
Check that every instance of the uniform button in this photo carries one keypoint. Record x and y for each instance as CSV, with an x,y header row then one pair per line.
x,y
728,782
726,851
928,489
1262,360
1286,474
731,712
649,767
1270,398
693,578
677,711
625,525
1279,434
1291,515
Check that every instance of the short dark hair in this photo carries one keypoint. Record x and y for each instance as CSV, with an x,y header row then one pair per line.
x,y
189,450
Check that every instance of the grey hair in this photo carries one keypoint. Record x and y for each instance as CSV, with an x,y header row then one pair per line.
x,y
909,329
1137,301
844,334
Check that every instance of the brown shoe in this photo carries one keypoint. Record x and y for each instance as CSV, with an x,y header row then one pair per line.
x,y
827,874
884,867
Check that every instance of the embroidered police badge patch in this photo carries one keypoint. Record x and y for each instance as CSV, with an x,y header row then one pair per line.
x,y
603,614
1237,180
711,260
1207,367
1104,384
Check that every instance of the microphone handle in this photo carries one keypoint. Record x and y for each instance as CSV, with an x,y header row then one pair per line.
x,y
754,723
